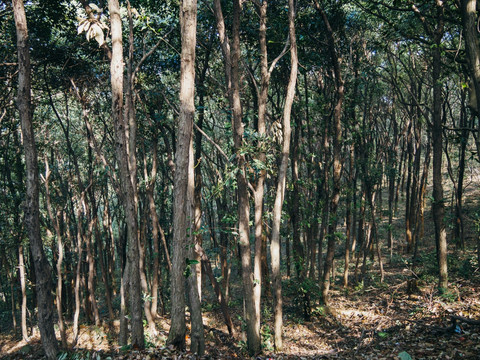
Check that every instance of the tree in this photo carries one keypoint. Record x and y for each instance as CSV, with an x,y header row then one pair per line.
x,y
281,180
183,194
126,175
42,268
337,156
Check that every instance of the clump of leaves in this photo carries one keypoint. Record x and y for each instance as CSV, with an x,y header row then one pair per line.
x,y
267,342
94,25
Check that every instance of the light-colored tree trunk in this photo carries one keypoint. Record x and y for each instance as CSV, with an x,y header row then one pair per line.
x,y
21,268
76,315
253,329
32,215
125,156
183,192
155,236
275,245
197,336
259,186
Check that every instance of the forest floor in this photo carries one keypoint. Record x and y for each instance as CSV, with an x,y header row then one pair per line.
x,y
375,321
403,317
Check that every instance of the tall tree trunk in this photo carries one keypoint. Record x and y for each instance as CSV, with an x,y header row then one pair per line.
x,y
348,226
183,190
259,186
32,216
438,206
298,249
126,174
409,198
281,180
155,232
76,315
252,322
197,336
337,161
232,75
198,160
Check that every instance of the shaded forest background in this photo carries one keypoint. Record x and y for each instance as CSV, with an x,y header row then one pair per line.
x,y
285,170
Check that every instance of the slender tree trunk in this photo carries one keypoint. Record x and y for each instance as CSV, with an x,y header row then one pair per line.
x,y
78,271
438,206
126,175
259,186
348,225
198,160
92,273
183,192
409,191
391,173
155,233
56,225
298,250
232,75
337,161
32,221
124,289
21,268
13,305
197,336
281,180
459,233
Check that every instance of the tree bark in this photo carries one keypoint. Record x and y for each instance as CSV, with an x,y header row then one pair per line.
x,y
197,336
275,246
155,231
183,191
56,225
337,161
32,213
261,157
126,174
438,206
21,267
253,329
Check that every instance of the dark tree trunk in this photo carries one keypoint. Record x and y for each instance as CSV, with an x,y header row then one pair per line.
x,y
438,206
32,217
337,160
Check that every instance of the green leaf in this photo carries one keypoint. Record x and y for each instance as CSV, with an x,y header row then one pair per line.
x,y
382,334
191,262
